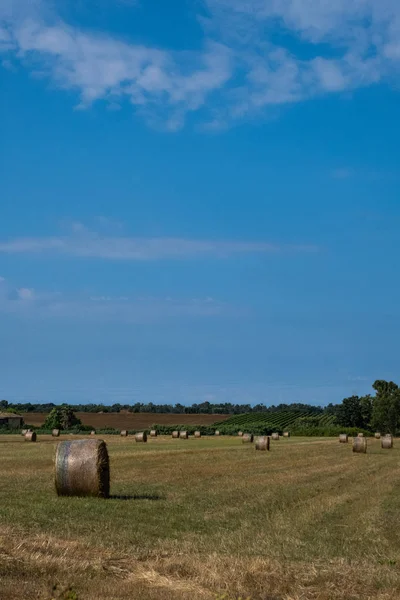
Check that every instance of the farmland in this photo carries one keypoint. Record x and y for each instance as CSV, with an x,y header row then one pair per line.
x,y
128,420
279,419
200,518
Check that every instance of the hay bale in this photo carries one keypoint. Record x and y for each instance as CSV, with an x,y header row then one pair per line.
x,y
240,433
141,437
275,436
183,435
82,468
377,435
286,434
175,434
24,432
55,433
387,442
30,436
124,433
360,444
360,435
153,433
197,434
262,443
247,438
217,433
343,438
93,432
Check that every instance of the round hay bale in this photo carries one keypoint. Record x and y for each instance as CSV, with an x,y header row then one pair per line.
x,y
387,442
286,434
343,438
183,435
377,436
30,436
93,432
197,434
240,433
124,433
360,444
153,433
275,436
262,443
175,434
216,433
55,433
141,437
247,438
82,468
360,435
24,432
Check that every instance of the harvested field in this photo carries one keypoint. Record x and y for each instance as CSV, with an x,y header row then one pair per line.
x,y
184,522
131,420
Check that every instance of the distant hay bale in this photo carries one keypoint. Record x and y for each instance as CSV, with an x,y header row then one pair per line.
x,y
387,442
141,437
175,434
343,438
197,434
240,433
153,433
30,436
217,433
360,435
377,435
286,434
93,432
247,438
275,436
82,468
55,433
124,433
262,443
24,432
183,435
360,444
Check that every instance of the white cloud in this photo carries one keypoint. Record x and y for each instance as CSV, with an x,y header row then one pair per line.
x,y
239,71
86,244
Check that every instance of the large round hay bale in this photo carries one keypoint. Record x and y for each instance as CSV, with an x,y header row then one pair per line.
x,y
377,435
286,434
141,437
387,442
55,433
183,435
82,468
360,444
124,433
30,436
262,443
343,438
240,433
275,436
217,433
153,433
175,434
360,435
247,438
197,434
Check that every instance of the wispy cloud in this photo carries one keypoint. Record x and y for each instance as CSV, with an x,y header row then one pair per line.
x,y
238,72
87,244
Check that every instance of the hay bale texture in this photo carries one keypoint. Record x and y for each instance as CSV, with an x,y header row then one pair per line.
x,y
141,437
216,433
262,443
360,444
240,433
387,442
30,436
197,434
153,433
183,435
55,433
82,468
175,434
275,436
286,434
377,436
124,433
343,438
247,438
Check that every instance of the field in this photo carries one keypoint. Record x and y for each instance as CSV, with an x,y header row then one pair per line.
x,y
279,419
130,420
197,519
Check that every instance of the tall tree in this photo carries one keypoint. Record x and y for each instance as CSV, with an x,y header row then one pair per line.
x,y
386,409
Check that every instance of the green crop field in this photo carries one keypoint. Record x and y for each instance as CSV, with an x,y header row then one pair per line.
x,y
280,419
197,519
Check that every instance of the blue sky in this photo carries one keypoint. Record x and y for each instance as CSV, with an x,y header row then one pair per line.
x,y
199,199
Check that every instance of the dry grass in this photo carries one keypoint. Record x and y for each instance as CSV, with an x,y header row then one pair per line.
x,y
185,523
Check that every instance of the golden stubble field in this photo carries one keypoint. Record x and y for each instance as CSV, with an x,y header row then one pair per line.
x,y
192,519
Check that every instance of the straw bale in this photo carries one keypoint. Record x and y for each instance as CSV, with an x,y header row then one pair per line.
x,y
387,442
286,434
183,435
30,436
55,433
175,434
360,435
24,431
93,432
262,443
82,468
377,435
247,438
275,436
240,433
360,444
124,433
343,438
217,433
141,437
153,433
197,434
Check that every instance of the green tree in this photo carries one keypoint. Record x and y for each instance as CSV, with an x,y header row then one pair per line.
x,y
350,413
62,417
386,407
